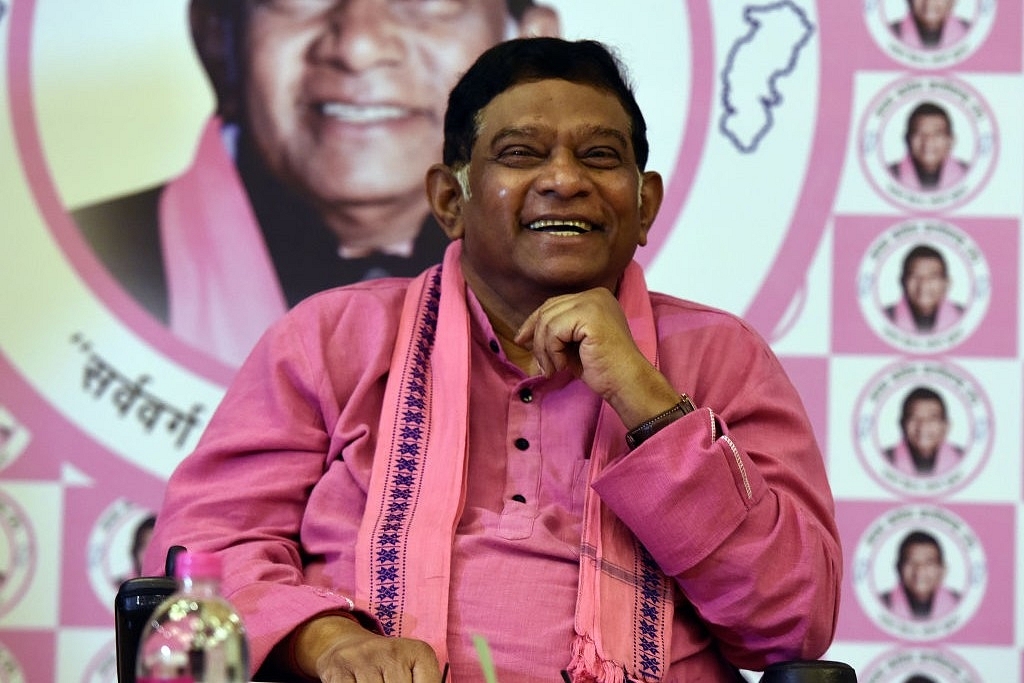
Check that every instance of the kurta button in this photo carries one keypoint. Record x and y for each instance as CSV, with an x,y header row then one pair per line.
x,y
522,444
525,395
519,498
494,345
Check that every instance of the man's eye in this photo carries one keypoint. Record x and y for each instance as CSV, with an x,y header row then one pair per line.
x,y
517,155
297,4
603,157
399,9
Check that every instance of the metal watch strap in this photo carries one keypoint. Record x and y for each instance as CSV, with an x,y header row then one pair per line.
x,y
646,429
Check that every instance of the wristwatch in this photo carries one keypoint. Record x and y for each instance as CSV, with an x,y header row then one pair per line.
x,y
646,429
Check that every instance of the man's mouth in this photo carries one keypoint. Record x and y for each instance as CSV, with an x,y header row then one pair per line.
x,y
565,228
363,113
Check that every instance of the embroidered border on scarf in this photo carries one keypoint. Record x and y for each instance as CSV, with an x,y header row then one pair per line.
x,y
648,657
405,470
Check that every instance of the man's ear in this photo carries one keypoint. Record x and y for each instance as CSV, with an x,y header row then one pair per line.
x,y
539,20
444,193
652,191
216,33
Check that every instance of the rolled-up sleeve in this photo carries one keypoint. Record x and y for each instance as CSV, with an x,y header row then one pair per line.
x,y
735,502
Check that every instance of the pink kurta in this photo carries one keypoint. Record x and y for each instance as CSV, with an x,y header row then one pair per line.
x,y
947,315
952,172
953,32
743,522
947,457
943,602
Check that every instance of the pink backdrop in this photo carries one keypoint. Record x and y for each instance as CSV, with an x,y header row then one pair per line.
x,y
802,103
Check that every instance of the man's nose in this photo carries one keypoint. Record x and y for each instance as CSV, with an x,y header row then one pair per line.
x,y
564,175
359,35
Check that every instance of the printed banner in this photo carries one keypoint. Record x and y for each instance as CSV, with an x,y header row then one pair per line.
x,y
847,176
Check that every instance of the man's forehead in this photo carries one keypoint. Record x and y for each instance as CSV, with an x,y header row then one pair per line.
x,y
925,262
925,403
922,547
932,4
930,120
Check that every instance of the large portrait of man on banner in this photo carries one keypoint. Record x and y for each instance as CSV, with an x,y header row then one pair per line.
x,y
309,175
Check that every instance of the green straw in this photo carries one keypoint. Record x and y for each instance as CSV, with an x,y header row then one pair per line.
x,y
483,652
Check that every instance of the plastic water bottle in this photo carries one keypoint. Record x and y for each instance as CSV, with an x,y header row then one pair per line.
x,y
195,635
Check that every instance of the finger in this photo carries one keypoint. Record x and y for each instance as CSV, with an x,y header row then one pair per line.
x,y
395,674
556,340
413,662
338,676
524,335
536,335
547,311
428,672
545,346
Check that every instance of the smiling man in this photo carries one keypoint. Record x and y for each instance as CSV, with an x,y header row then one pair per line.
x,y
929,163
310,175
924,426
523,444
921,568
924,307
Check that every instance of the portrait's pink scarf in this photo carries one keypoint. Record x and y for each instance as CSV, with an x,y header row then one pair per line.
x,y
943,603
951,173
221,283
945,317
946,459
952,33
417,491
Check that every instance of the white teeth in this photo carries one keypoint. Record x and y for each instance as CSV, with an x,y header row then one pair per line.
x,y
352,113
574,227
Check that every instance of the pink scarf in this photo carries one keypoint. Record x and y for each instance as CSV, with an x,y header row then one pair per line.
x,y
943,603
952,32
221,282
945,317
624,606
945,459
951,173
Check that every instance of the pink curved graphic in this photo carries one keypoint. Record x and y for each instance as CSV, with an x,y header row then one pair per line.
x,y
786,277
697,126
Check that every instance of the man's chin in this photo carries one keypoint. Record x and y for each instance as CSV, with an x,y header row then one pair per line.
x,y
339,195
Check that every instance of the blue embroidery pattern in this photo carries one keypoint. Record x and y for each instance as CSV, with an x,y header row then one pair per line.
x,y
404,472
651,598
